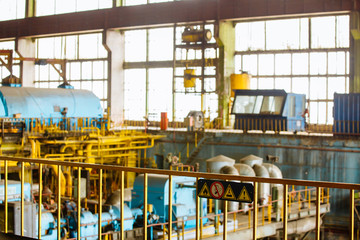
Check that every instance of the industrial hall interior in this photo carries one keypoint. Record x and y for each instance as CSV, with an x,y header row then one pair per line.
x,y
180,119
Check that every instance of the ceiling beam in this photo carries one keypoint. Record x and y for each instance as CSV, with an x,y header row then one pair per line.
x,y
167,13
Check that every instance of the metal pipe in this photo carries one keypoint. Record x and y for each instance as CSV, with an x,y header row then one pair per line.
x,y
22,197
255,208
78,202
100,202
285,211
40,199
145,204
59,203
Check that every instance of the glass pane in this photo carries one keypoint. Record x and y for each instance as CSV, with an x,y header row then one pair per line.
x,y
266,64
323,32
266,83
317,63
283,83
275,37
98,70
134,94
84,5
250,64
160,92
304,33
86,70
65,6
71,47
300,85
336,62
75,71
45,7
160,44
245,104
300,64
330,108
317,88
134,2
282,64
135,45
342,31
98,89
88,46
211,105
45,48
186,103
250,36
335,85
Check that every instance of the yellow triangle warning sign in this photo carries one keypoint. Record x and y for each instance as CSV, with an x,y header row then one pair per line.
x,y
205,192
244,195
229,193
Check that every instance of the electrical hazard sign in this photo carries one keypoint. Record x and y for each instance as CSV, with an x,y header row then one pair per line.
x,y
231,191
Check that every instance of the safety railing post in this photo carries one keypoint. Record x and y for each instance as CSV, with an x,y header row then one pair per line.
x,y
255,208
40,200
225,220
285,211
170,206
352,209
197,235
22,197
58,203
122,204
318,219
100,203
145,205
6,195
78,203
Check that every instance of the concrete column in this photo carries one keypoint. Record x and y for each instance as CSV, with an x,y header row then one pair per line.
x,y
226,67
354,82
114,42
25,48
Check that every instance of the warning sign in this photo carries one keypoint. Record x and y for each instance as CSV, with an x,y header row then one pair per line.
x,y
205,192
244,195
231,191
217,190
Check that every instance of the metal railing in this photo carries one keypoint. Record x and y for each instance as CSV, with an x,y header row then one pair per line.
x,y
288,196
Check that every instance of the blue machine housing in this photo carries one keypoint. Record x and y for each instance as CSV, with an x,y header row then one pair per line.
x,y
264,110
346,113
48,103
14,191
183,202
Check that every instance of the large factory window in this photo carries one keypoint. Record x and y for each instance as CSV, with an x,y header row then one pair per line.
x,y
302,55
51,7
135,94
86,66
12,9
4,72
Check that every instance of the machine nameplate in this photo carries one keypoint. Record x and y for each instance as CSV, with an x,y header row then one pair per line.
x,y
231,191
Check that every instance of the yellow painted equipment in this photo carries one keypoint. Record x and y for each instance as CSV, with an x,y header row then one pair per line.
x,y
189,78
191,35
239,81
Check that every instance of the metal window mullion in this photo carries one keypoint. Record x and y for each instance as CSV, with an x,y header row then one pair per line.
x,y
145,205
285,211
255,210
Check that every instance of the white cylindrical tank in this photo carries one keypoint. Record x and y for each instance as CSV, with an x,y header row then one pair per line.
x,y
214,164
251,160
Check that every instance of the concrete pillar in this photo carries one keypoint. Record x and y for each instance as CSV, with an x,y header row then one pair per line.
x,y
25,48
354,82
226,67
114,42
